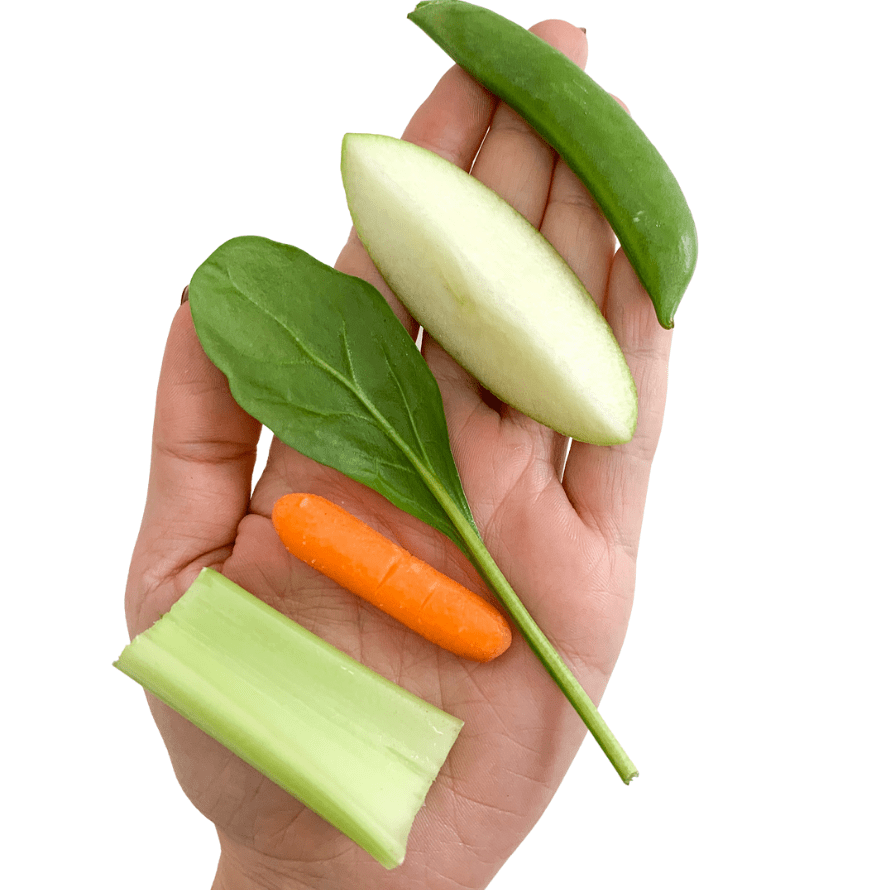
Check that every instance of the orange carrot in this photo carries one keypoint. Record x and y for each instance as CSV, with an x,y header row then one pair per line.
x,y
343,548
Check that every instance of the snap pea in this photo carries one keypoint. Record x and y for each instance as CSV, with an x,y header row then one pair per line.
x,y
599,141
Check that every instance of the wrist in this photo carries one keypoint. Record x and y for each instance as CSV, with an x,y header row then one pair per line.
x,y
242,869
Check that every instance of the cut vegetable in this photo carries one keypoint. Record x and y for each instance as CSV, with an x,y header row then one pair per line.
x,y
368,564
357,749
489,288
607,150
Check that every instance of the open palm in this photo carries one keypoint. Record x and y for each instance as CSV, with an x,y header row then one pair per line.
x,y
562,523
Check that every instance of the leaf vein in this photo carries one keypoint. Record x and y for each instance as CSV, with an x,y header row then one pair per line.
x,y
427,472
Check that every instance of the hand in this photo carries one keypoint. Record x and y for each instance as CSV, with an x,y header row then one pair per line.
x,y
563,524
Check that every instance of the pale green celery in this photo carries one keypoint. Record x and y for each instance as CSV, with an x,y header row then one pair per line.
x,y
354,747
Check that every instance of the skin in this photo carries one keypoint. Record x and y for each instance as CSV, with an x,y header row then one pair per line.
x,y
563,527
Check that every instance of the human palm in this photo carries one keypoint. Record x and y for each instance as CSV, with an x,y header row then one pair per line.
x,y
562,523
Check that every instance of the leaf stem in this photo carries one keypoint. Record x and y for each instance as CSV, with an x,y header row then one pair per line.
x,y
545,650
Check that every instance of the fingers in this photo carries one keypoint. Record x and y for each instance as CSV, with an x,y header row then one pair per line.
x,y
514,161
607,486
203,452
452,123
519,166
646,346
575,226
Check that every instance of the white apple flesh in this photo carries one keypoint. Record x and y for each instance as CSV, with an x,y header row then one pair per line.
x,y
489,288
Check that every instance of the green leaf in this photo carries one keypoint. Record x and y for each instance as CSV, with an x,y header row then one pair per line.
x,y
320,358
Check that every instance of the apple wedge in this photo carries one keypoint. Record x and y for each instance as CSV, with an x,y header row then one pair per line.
x,y
489,288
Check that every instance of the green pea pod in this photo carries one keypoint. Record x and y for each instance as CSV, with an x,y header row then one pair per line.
x,y
599,141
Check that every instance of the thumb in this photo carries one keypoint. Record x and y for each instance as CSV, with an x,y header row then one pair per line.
x,y
202,459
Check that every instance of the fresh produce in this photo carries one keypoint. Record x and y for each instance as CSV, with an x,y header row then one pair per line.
x,y
609,153
357,749
489,288
368,564
320,358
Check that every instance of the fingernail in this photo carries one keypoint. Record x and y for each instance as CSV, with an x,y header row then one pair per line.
x,y
185,295
583,29
622,104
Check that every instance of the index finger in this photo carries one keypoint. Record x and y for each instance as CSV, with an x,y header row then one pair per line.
x,y
452,122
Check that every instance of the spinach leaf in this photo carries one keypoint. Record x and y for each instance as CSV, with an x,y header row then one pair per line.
x,y
320,358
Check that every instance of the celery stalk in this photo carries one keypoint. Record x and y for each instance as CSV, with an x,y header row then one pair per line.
x,y
354,747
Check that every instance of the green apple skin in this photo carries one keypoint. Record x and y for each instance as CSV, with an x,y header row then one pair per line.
x,y
489,288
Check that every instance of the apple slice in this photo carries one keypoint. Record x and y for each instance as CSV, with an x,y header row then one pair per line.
x,y
490,288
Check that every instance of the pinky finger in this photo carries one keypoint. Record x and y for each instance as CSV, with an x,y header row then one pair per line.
x,y
646,346
608,486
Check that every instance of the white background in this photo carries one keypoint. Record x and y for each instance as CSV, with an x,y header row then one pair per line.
x,y
753,687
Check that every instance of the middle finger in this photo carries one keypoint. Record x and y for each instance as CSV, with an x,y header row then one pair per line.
x,y
514,160
517,164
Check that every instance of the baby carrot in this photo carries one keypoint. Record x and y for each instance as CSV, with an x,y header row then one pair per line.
x,y
368,564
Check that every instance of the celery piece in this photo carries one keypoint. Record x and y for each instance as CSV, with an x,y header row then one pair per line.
x,y
354,747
